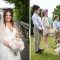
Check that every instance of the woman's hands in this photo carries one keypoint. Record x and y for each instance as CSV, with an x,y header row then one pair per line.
x,y
6,44
58,30
49,27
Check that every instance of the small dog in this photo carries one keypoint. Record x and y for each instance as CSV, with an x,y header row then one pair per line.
x,y
58,46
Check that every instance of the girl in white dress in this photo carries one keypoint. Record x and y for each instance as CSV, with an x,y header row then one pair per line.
x,y
46,26
9,33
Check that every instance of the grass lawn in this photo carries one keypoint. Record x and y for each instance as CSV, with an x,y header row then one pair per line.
x,y
48,54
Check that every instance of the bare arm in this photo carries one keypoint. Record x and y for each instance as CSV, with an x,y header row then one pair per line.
x,y
6,43
17,35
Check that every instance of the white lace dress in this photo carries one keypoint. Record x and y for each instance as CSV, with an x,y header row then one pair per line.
x,y
7,53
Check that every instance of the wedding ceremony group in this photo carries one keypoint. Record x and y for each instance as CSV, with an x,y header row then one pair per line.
x,y
29,29
45,30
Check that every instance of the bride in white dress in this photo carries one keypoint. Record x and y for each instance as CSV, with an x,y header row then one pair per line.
x,y
8,32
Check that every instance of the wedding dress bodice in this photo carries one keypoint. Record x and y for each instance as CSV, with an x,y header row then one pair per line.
x,y
8,35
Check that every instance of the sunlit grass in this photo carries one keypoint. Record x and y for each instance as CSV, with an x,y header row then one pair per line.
x,y
48,54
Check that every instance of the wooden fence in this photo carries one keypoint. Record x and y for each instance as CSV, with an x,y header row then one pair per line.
x,y
24,28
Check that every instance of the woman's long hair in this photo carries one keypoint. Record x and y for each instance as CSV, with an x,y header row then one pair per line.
x,y
11,21
4,15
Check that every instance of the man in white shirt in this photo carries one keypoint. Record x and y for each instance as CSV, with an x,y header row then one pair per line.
x,y
38,28
56,26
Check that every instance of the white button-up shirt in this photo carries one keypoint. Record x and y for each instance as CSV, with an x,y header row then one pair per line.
x,y
56,25
37,21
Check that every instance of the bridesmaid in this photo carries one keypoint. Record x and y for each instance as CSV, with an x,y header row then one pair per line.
x,y
46,26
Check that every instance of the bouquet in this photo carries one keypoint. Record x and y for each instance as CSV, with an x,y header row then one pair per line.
x,y
16,45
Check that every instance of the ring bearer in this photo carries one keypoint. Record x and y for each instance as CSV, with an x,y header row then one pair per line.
x,y
56,26
38,28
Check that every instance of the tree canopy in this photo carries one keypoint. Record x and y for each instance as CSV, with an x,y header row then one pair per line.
x,y
21,9
56,11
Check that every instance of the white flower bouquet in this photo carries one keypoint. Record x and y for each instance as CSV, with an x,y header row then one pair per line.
x,y
16,45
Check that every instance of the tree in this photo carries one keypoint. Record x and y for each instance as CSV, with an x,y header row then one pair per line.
x,y
21,9
56,11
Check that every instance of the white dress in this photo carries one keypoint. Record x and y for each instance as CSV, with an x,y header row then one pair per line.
x,y
45,23
7,53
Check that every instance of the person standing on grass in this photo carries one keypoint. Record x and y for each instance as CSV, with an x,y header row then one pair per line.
x,y
56,26
46,26
38,28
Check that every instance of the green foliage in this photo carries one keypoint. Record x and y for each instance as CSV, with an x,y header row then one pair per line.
x,y
21,10
31,22
50,21
40,12
56,11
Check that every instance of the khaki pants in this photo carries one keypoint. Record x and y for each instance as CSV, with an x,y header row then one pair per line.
x,y
57,35
37,39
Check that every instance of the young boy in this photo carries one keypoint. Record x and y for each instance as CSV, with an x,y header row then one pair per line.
x,y
56,26
37,28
